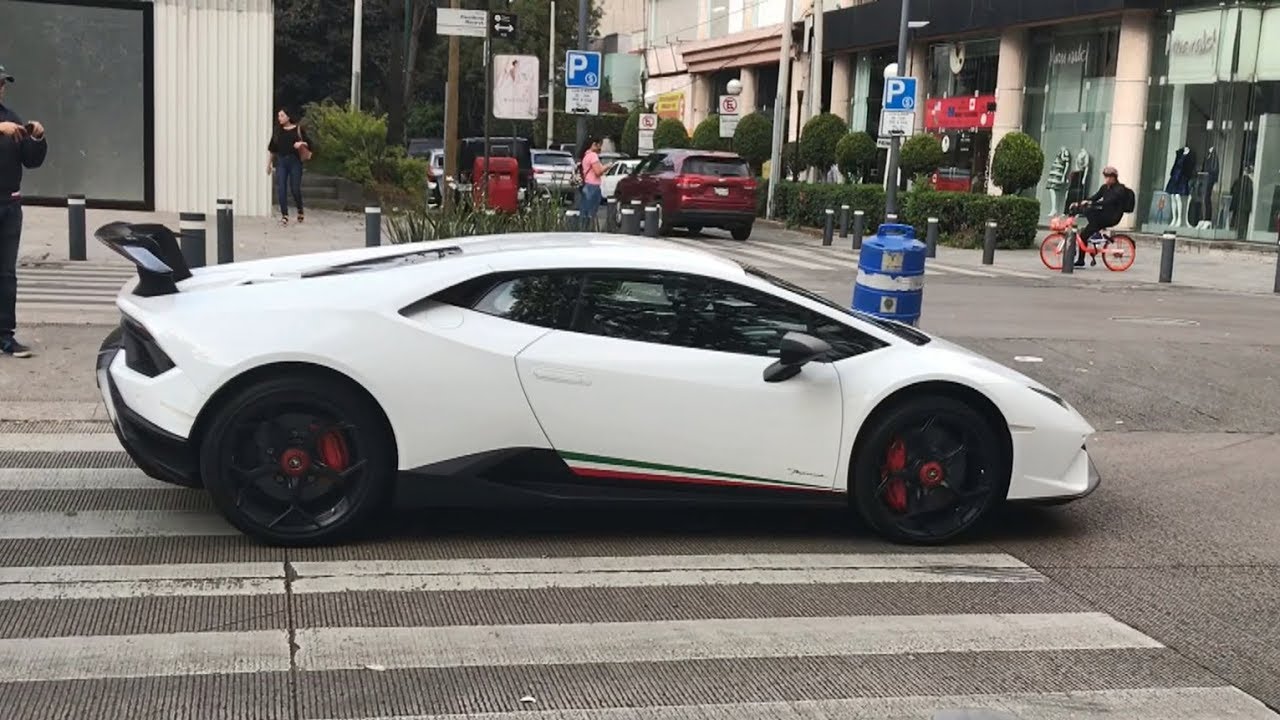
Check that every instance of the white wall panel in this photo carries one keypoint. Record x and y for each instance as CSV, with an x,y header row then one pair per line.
x,y
213,101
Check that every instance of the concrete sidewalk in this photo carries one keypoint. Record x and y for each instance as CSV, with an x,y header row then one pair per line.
x,y
45,236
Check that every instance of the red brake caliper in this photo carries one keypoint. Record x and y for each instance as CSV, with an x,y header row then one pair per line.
x,y
895,460
333,450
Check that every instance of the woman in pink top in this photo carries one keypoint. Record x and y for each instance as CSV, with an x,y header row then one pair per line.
x,y
592,175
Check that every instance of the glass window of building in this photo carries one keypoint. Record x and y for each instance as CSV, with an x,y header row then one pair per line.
x,y
1070,84
767,12
718,18
1211,157
672,22
960,108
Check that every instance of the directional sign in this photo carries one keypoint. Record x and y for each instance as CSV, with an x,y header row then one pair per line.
x,y
900,94
582,69
728,115
503,25
466,23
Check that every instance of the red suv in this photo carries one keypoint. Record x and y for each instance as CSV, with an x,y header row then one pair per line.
x,y
694,189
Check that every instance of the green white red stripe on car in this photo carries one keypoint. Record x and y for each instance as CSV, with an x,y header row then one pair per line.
x,y
600,466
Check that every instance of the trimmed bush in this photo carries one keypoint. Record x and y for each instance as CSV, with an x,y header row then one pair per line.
x,y
418,224
753,140
630,140
801,204
920,155
855,154
707,135
818,140
353,145
1017,163
670,133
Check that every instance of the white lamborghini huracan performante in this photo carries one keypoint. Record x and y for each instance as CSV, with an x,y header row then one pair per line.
x,y
307,393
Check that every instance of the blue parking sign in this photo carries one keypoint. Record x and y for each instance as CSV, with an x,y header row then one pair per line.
x,y
900,93
582,69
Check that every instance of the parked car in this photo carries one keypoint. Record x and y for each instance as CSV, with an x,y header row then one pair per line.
x,y
435,176
553,172
618,170
695,189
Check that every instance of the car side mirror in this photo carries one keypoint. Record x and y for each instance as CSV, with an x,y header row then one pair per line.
x,y
797,349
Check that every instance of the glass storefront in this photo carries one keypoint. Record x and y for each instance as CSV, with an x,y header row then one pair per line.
x,y
1211,166
82,72
960,108
1070,84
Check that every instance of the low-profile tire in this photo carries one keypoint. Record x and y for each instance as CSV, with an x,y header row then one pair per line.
x,y
741,232
298,461
928,453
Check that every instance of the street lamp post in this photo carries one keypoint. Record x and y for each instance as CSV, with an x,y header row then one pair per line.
x,y
895,142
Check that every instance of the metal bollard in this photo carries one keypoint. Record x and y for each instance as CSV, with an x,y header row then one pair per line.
x,y
989,244
859,227
844,221
828,227
651,221
191,228
75,227
1068,256
226,231
931,238
1168,242
1276,287
630,221
372,226
611,219
570,221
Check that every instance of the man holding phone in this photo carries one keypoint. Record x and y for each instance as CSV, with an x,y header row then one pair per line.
x,y
22,145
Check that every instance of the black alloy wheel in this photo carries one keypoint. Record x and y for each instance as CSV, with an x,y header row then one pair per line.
x,y
298,461
929,470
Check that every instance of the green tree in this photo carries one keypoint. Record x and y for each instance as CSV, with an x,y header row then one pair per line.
x,y
855,154
707,135
670,133
630,140
920,155
753,140
1017,164
818,141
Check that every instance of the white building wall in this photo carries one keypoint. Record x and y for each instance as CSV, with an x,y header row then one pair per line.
x,y
214,77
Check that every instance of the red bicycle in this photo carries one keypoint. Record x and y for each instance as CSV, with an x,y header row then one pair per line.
x,y
1118,250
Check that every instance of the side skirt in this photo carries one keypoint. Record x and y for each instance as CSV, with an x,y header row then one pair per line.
x,y
538,476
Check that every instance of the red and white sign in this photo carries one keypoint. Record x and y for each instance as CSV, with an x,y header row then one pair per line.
x,y
728,105
728,115
649,121
960,113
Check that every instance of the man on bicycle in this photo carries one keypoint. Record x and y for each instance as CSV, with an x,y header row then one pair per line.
x,y
1105,208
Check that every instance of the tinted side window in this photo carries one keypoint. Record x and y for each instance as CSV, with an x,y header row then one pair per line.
x,y
704,314
541,299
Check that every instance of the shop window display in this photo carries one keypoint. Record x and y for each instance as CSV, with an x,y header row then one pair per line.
x,y
960,108
1069,89
1212,146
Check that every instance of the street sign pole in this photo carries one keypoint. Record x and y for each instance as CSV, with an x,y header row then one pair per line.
x,y
583,14
451,120
895,142
488,97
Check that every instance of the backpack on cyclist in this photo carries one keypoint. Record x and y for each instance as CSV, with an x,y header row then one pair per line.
x,y
1130,200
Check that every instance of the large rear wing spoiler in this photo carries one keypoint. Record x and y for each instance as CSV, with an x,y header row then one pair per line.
x,y
153,249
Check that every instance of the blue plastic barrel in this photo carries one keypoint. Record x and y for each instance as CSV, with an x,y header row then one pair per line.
x,y
890,280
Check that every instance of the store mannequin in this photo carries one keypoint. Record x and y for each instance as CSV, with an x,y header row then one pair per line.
x,y
1078,190
1241,200
1209,178
1058,179
1179,185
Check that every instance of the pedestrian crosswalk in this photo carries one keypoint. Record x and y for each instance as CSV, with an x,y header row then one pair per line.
x,y
70,285
126,597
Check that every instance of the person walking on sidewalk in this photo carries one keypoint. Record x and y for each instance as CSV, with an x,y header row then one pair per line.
x,y
290,146
22,145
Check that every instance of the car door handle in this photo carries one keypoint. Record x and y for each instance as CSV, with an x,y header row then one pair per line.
x,y
561,375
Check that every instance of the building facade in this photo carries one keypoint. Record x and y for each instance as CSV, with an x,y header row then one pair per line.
x,y
152,105
1181,96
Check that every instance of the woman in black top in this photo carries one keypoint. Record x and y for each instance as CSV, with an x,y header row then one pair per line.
x,y
290,145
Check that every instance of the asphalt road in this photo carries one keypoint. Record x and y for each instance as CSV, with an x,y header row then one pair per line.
x,y
1181,543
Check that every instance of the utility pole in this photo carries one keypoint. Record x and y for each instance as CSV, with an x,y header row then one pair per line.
x,y
357,31
895,142
451,120
551,79
583,18
780,107
488,94
815,61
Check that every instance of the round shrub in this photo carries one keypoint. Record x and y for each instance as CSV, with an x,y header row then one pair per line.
x,y
855,154
707,135
753,139
670,133
920,155
1017,164
818,141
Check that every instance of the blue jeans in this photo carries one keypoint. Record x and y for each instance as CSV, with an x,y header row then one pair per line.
x,y
592,196
289,180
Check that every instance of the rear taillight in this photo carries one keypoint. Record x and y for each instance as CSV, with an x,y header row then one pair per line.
x,y
749,185
685,182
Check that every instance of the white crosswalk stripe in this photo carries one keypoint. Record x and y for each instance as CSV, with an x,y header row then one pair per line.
x,y
832,258
122,596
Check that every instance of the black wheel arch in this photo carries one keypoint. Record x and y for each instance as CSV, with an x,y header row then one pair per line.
x,y
956,391
262,373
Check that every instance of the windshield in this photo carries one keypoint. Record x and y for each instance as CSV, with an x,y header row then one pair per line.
x,y
549,159
905,332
